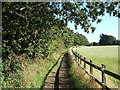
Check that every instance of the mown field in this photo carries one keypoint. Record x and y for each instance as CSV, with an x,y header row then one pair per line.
x,y
107,55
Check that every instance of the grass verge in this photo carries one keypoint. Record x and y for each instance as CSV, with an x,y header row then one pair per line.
x,y
77,83
37,74
80,78
53,69
33,72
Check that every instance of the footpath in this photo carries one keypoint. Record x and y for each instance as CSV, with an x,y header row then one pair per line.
x,y
60,77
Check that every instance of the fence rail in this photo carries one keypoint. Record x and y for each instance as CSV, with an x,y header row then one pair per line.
x,y
102,69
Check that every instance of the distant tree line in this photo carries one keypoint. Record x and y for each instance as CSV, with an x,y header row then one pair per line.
x,y
69,37
106,40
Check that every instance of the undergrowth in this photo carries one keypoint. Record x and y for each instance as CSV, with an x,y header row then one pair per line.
x,y
30,73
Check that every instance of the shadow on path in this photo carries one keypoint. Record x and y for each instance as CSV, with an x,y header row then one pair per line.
x,y
62,80
59,78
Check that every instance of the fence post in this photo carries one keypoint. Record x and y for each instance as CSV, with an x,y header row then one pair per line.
x,y
80,59
103,74
84,63
75,57
91,68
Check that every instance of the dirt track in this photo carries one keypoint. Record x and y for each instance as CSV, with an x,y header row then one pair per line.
x,y
60,78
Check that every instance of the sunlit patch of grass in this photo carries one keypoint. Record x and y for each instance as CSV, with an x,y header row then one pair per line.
x,y
35,73
77,83
107,55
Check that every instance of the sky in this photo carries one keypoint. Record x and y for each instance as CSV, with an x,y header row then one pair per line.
x,y
109,26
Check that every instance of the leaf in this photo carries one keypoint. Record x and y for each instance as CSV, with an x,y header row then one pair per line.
x,y
93,29
99,20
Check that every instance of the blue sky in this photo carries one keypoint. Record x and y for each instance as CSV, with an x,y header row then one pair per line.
x,y
109,25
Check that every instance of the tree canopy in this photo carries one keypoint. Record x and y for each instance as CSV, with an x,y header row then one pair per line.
x,y
27,26
80,39
107,40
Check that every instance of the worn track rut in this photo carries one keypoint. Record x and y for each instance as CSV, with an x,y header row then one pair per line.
x,y
60,78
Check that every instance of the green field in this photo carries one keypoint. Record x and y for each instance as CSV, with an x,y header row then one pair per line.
x,y
107,55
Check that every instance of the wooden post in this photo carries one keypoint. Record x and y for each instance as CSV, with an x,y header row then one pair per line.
x,y
80,60
91,68
84,63
77,58
103,74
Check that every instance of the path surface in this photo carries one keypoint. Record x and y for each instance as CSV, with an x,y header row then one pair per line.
x,y
59,78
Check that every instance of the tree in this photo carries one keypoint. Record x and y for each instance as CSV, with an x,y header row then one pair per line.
x,y
95,44
27,25
68,37
84,14
80,39
118,42
27,29
107,40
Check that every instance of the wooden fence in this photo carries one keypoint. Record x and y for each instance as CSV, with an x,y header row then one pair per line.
x,y
103,70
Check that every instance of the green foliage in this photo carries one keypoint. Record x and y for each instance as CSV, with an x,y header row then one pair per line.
x,y
107,40
93,44
30,27
80,39
1,75
68,37
27,30
84,14
118,42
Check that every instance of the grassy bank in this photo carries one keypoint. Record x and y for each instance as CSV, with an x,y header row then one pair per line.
x,y
42,67
34,74
79,78
34,71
